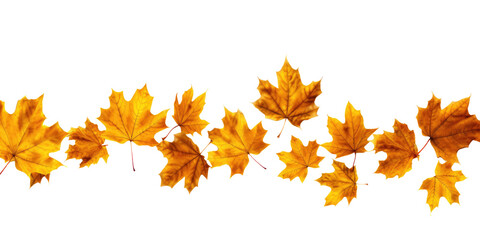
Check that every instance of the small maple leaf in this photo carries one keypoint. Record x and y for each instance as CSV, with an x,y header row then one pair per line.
x,y
349,137
291,100
442,185
450,129
89,144
400,148
184,161
27,142
299,159
235,142
187,113
343,183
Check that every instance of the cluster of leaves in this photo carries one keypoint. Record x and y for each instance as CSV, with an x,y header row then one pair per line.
x,y
27,142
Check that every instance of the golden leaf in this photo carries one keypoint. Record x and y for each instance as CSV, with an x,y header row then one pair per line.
x,y
400,148
450,129
187,113
235,142
349,137
27,142
442,185
89,144
299,159
343,183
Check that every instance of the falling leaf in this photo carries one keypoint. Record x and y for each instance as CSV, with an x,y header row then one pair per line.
x,y
400,148
235,142
343,183
450,129
349,137
27,142
89,144
299,159
291,100
442,185
187,113
184,161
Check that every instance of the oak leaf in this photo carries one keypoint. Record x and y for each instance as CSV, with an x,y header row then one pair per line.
x,y
187,113
349,137
442,185
291,100
185,160
27,142
299,159
450,129
235,142
343,183
400,148
89,144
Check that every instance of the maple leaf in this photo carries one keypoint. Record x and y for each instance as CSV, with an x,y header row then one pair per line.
x,y
235,142
349,137
299,159
89,144
187,113
450,129
291,100
184,161
442,185
27,142
400,148
343,183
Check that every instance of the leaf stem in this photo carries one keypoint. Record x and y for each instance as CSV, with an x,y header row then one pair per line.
x,y
131,151
423,147
257,161
6,165
169,132
206,146
354,158
278,136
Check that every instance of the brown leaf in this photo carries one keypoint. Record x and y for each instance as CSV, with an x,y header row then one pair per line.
x,y
299,159
89,144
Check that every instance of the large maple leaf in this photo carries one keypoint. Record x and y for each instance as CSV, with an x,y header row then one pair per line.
x,y
27,142
187,113
343,183
291,100
442,185
400,148
185,160
299,159
349,137
450,129
235,142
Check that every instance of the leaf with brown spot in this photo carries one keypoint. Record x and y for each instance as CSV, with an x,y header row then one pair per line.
x,y
343,183
187,113
89,144
299,159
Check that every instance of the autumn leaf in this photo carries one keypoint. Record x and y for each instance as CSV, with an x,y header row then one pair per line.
x,y
89,144
27,142
187,113
400,148
349,137
291,100
299,159
235,142
185,160
450,129
442,185
343,183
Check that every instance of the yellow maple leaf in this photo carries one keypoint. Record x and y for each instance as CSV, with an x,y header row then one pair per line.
x,y
185,160
235,142
299,159
400,148
442,185
291,100
349,137
27,142
450,129
343,183
89,144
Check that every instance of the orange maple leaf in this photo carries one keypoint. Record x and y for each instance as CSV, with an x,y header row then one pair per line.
x,y
400,148
442,185
187,113
450,129
27,142
299,159
291,100
235,142
343,183
89,144
185,160
349,137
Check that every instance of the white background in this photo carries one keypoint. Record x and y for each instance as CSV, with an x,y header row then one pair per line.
x,y
385,58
